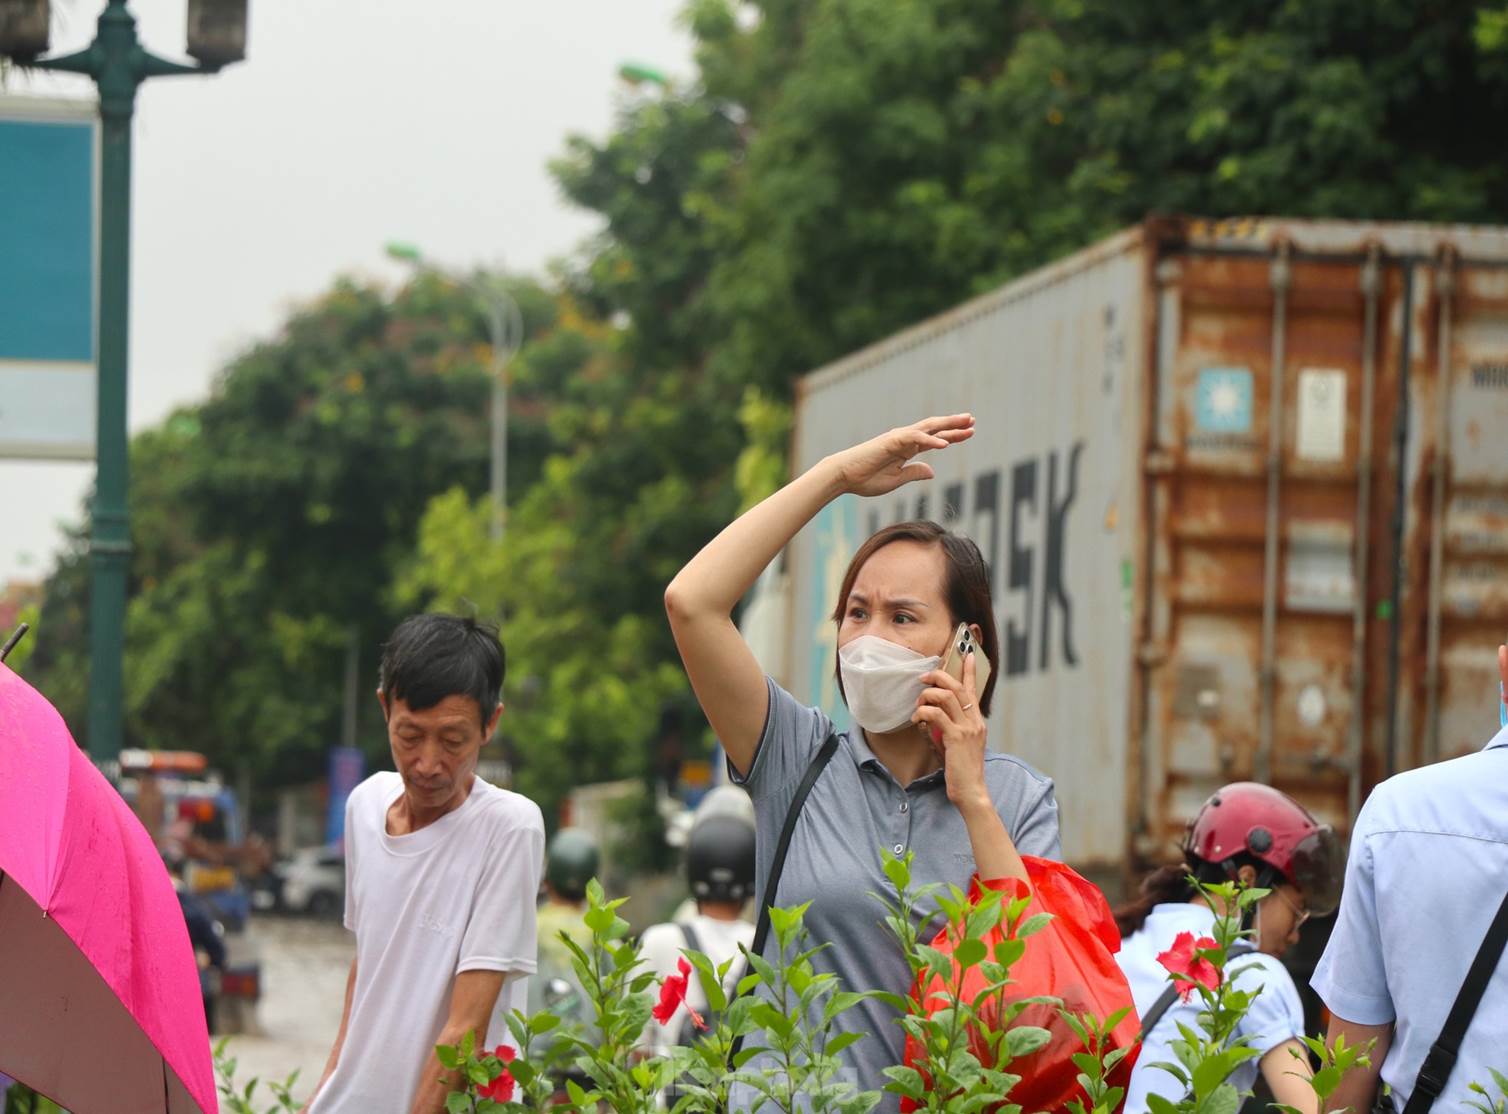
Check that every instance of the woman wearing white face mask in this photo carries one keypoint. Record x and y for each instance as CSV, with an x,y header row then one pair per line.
x,y
915,775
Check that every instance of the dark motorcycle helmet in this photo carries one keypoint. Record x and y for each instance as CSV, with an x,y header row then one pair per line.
x,y
571,861
1248,820
720,859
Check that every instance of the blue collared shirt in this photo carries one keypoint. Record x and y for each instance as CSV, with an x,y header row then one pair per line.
x,y
1427,871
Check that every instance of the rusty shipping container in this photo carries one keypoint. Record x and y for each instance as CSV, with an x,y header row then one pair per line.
x,y
1243,489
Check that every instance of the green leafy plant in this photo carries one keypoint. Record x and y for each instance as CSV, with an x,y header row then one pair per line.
x,y
236,1099
704,1081
967,1041
1096,1063
617,984
798,1066
502,1080
21,1099
553,1055
1334,1062
786,1012
1491,1105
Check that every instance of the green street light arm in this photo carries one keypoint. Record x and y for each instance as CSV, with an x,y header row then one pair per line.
x,y
86,61
143,63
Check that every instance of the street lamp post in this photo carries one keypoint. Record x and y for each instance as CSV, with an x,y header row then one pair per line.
x,y
505,326
118,63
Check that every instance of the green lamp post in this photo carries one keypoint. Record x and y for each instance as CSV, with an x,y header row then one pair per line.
x,y
118,63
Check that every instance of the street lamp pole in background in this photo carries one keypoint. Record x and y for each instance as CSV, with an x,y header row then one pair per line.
x,y
118,63
505,325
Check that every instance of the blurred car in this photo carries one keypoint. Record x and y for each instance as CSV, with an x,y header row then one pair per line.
x,y
314,881
267,891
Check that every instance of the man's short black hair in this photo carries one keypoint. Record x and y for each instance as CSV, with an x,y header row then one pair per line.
x,y
430,657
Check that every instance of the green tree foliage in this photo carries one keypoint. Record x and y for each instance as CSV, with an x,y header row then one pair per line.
x,y
837,170
834,171
908,153
267,524
586,677
640,478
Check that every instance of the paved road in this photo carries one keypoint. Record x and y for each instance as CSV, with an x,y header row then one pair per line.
x,y
304,965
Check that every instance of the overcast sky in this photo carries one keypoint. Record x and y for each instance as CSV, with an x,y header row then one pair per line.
x,y
352,123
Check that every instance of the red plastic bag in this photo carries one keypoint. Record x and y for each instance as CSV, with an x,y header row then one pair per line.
x,y
1071,959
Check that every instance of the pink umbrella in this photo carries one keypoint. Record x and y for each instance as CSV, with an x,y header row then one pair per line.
x,y
99,992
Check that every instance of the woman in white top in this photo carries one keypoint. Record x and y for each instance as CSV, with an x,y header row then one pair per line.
x,y
1257,837
720,871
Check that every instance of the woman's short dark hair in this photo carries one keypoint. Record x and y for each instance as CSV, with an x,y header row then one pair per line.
x,y
429,657
966,586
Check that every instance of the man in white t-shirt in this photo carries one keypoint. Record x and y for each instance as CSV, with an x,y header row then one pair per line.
x,y
720,868
441,874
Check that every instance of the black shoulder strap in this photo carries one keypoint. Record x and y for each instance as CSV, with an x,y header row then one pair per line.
x,y
1164,1003
688,934
777,866
1169,995
1435,1070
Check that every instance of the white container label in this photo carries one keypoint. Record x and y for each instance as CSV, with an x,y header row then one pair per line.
x,y
1322,414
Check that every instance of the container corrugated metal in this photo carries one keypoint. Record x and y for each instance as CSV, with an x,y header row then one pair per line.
x,y
1189,591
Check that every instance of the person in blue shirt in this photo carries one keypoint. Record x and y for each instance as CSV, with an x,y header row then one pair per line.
x,y
1257,837
1426,874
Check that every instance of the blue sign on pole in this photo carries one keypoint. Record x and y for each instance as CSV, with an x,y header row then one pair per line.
x,y
347,767
49,206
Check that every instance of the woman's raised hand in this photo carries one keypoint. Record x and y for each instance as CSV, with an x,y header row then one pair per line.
x,y
884,463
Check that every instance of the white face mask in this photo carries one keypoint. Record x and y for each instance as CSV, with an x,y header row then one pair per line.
x,y
882,681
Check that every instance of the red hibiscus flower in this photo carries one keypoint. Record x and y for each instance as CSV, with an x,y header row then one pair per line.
x,y
1188,967
673,996
501,1088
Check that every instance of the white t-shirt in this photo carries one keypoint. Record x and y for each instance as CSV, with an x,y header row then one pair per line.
x,y
1276,1014
661,949
455,896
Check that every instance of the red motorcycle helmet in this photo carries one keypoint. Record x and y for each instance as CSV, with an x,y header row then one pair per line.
x,y
1254,820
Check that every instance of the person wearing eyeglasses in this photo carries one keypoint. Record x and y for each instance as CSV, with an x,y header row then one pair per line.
x,y
1259,838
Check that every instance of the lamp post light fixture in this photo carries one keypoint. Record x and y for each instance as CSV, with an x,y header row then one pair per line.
x,y
24,26
505,324
217,31
118,64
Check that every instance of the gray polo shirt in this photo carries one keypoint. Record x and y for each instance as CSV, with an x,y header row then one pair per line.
x,y
856,808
